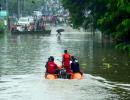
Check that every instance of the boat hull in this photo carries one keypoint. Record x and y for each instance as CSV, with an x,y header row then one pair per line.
x,y
32,32
73,76
51,76
76,76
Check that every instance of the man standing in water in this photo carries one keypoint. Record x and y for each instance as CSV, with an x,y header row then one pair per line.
x,y
58,35
66,62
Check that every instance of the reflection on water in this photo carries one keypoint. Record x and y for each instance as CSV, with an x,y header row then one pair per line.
x,y
22,60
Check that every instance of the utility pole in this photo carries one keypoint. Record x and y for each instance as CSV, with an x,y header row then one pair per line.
x,y
0,7
6,5
7,10
22,8
18,8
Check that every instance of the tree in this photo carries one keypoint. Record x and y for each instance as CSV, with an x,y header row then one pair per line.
x,y
29,6
111,17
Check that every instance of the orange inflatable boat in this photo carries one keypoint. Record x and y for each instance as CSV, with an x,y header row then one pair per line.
x,y
76,76
51,76
73,76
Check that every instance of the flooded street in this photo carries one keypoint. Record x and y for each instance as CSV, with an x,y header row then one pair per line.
x,y
23,57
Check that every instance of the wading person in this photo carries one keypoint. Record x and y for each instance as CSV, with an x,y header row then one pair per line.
x,y
58,35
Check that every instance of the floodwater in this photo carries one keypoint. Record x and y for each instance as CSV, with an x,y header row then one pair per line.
x,y
23,57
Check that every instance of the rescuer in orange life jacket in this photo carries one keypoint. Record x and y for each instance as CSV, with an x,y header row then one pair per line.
x,y
66,62
51,66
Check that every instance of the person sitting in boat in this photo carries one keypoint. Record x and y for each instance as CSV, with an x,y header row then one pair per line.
x,y
75,65
51,66
46,66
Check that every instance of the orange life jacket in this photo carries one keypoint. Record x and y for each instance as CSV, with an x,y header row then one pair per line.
x,y
51,67
66,59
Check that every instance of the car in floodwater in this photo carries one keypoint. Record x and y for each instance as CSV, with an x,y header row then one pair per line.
x,y
25,21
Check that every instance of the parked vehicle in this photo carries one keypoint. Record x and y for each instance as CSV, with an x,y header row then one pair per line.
x,y
24,21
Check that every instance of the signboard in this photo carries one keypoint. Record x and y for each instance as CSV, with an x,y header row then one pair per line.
x,y
3,16
3,13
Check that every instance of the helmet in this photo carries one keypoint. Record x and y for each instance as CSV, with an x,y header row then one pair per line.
x,y
65,51
73,58
51,58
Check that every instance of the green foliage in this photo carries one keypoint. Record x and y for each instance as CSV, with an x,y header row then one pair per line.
x,y
29,6
112,17
123,46
75,8
12,7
